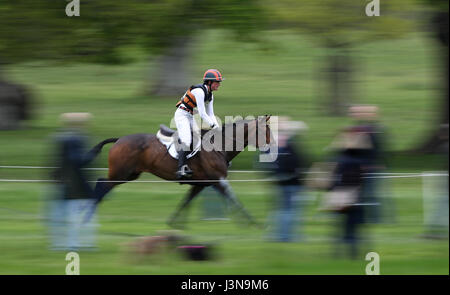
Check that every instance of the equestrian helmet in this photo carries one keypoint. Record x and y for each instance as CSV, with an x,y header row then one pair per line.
x,y
212,75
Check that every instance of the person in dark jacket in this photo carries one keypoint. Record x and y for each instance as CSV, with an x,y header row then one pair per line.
x,y
365,121
73,193
287,170
349,177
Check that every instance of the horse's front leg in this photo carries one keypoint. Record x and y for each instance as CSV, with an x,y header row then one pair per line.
x,y
194,191
224,187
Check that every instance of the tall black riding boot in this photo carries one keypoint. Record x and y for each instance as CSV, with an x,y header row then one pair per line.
x,y
183,169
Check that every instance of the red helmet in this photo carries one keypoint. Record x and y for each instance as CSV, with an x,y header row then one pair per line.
x,y
212,75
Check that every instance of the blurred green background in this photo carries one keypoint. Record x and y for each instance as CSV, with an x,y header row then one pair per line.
x,y
128,62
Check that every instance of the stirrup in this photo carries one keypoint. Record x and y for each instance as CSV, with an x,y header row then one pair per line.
x,y
184,172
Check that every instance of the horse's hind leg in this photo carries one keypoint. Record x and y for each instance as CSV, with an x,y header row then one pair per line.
x,y
102,187
195,190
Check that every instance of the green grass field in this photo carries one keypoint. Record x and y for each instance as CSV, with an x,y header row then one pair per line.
x,y
136,209
399,76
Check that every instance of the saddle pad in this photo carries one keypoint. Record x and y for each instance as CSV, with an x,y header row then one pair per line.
x,y
168,142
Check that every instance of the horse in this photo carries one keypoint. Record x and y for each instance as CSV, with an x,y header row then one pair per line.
x,y
134,154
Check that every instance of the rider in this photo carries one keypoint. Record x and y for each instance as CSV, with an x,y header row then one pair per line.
x,y
201,97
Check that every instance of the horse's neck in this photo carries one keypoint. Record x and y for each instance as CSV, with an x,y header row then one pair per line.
x,y
230,155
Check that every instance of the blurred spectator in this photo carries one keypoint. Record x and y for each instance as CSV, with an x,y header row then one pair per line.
x,y
366,121
347,186
287,169
72,193
436,197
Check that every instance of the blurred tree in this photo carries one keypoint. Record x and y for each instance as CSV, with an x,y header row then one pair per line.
x,y
338,26
165,28
21,36
439,23
170,28
40,30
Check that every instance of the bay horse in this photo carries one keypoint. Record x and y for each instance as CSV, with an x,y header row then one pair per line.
x,y
134,154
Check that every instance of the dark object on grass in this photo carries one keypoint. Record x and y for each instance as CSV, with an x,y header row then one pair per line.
x,y
150,245
197,252
15,105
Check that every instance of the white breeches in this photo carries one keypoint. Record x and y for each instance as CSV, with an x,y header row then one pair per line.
x,y
185,124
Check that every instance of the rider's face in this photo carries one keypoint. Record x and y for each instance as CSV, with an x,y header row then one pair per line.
x,y
215,85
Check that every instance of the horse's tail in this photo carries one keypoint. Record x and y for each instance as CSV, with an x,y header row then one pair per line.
x,y
98,148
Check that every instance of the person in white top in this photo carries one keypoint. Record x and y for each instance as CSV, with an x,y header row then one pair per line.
x,y
201,97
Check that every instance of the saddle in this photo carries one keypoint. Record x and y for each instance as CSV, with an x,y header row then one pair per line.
x,y
168,137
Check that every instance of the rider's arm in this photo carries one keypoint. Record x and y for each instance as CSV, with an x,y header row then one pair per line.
x,y
210,111
200,98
